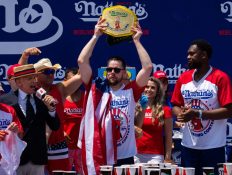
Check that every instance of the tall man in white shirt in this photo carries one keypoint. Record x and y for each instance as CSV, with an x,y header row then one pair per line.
x,y
202,99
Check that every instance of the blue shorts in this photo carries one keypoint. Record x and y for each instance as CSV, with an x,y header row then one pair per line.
x,y
202,158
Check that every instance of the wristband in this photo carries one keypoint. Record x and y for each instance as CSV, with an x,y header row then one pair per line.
x,y
200,114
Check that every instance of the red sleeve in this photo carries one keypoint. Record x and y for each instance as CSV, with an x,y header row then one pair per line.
x,y
224,90
137,91
177,98
167,112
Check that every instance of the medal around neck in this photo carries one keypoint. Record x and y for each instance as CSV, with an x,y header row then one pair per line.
x,y
119,21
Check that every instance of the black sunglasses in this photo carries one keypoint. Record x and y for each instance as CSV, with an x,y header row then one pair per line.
x,y
116,69
48,71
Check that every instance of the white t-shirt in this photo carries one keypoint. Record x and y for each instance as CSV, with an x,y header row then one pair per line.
x,y
211,92
7,116
123,109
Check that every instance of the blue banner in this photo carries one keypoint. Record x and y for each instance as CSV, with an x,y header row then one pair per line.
x,y
62,28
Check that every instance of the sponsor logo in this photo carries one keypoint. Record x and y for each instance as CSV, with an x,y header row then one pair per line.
x,y
197,126
226,8
73,110
148,114
119,103
122,125
202,94
172,73
31,20
4,123
90,11
206,127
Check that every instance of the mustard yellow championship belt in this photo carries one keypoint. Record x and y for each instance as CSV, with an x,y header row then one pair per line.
x,y
119,21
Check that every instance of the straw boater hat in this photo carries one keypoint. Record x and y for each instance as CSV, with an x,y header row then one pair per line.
x,y
24,70
45,63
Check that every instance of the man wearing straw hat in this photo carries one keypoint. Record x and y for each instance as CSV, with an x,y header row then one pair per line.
x,y
33,114
57,146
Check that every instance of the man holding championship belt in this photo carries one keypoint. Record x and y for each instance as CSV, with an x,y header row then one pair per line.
x,y
107,130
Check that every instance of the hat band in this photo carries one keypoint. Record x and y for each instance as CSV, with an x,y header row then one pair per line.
x,y
24,72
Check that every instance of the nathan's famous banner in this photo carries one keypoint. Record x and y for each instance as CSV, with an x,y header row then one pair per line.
x,y
62,28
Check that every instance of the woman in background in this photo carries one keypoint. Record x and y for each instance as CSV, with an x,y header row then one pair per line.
x,y
154,118
72,121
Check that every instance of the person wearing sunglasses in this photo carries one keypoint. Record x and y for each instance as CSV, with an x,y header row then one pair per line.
x,y
57,146
112,103
48,72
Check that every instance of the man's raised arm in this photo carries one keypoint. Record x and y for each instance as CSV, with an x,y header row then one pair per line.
x,y
84,57
28,52
144,73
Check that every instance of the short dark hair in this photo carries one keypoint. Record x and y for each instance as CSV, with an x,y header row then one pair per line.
x,y
203,45
117,58
71,69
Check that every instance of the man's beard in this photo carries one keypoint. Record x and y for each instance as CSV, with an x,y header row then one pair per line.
x,y
194,65
115,82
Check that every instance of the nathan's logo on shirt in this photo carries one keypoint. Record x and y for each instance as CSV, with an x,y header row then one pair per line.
x,y
122,125
201,94
200,128
73,110
119,103
4,123
197,126
148,114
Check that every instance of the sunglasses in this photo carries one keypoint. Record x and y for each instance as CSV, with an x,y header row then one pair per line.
x,y
116,69
48,71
